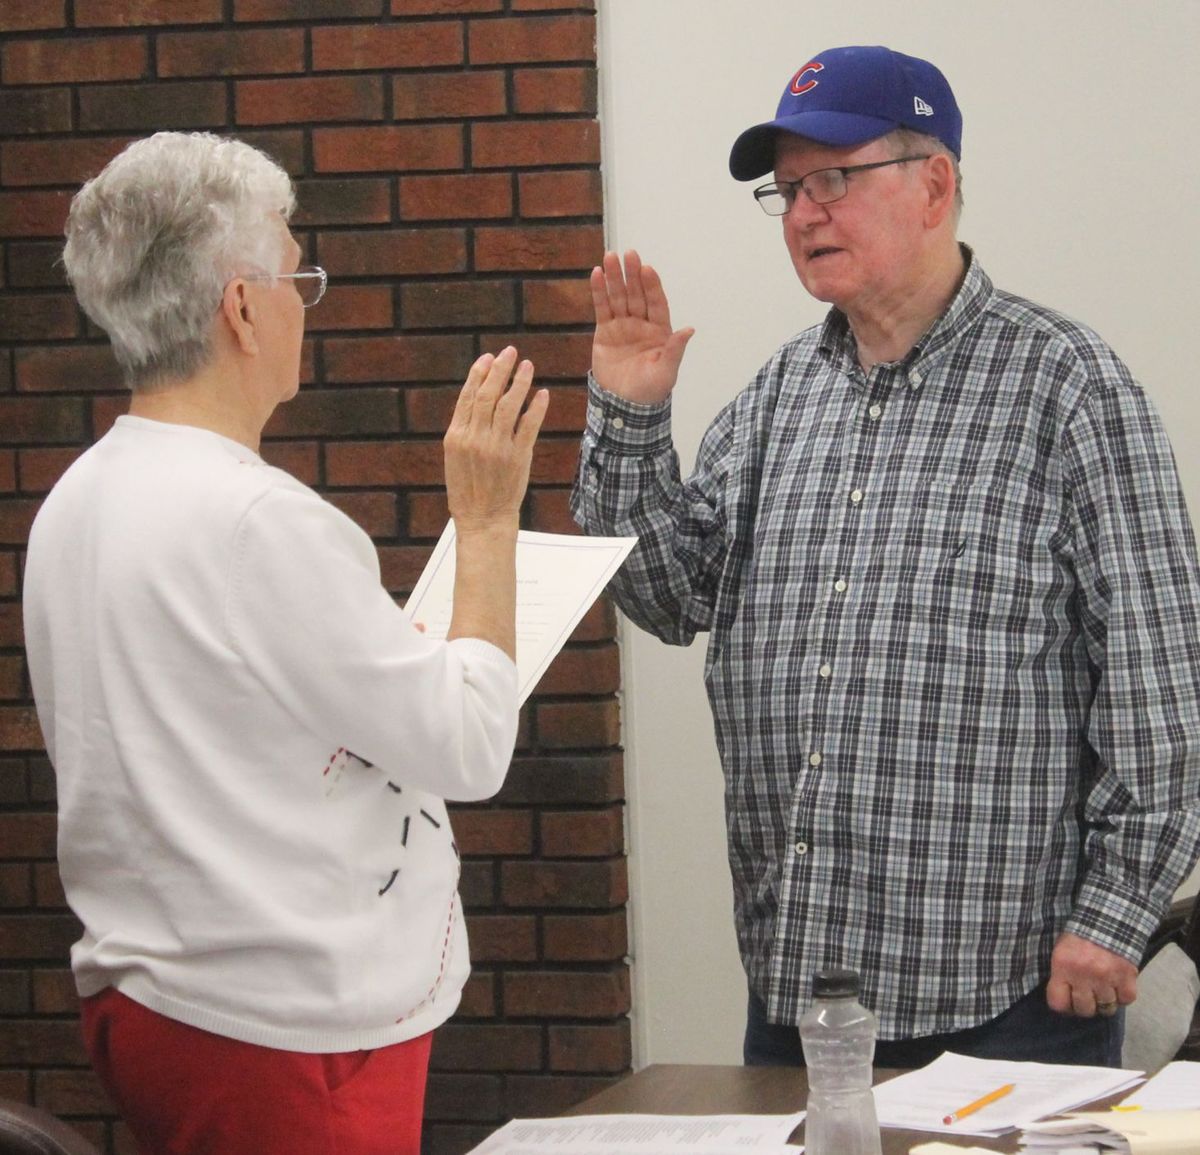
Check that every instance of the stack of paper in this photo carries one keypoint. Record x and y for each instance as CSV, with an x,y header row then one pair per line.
x,y
645,1135
1175,1088
1130,1132
952,1085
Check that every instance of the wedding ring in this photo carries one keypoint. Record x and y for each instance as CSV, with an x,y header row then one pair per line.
x,y
1107,1008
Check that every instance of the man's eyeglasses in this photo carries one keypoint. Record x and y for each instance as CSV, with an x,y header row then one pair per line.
x,y
310,282
822,187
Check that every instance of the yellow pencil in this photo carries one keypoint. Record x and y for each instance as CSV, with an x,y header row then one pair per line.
x,y
971,1108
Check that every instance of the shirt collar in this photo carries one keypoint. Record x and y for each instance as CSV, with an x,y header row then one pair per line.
x,y
967,305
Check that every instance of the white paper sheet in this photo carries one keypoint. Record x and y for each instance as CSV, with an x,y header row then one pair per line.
x,y
559,576
922,1098
1175,1088
645,1135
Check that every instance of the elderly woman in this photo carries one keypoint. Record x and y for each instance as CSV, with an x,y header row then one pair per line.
x,y
252,742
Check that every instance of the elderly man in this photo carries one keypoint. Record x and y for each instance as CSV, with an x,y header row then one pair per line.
x,y
252,742
950,587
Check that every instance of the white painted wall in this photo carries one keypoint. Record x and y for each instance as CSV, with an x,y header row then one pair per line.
x,y
1080,166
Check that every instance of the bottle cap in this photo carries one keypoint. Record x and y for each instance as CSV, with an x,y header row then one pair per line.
x,y
835,984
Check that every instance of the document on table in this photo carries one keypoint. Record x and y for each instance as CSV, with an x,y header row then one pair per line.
x,y
559,576
1116,1133
1175,1088
921,1099
646,1135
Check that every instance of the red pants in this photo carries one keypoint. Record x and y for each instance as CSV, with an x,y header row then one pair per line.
x,y
184,1091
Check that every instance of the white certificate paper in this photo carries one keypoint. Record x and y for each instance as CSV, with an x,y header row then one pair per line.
x,y
559,576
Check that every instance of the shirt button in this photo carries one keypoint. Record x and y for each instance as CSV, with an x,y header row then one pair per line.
x,y
875,412
825,670
840,586
856,496
814,759
915,377
618,423
801,849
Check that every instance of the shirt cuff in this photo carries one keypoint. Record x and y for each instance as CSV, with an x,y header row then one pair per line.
x,y
627,427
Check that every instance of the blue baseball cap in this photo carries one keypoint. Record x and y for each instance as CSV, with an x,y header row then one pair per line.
x,y
847,96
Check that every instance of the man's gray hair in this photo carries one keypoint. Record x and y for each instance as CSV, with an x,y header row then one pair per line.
x,y
155,237
909,142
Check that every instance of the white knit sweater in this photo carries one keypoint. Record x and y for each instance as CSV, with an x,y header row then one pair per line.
x,y
252,744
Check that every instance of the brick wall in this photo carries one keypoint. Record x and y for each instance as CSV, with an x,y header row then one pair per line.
x,y
446,154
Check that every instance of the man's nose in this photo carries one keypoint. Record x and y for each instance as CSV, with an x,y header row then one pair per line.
x,y
805,212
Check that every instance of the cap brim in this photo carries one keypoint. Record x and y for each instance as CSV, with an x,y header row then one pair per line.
x,y
753,153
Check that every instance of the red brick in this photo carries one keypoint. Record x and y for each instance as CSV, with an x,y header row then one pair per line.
x,y
26,835
16,890
558,90
284,146
41,468
30,15
427,514
390,359
445,95
11,634
355,201
534,143
37,420
461,1097
105,410
77,61
308,99
63,368
501,938
560,194
426,44
542,5
47,887
136,13
549,512
561,301
535,248
43,162
8,574
387,148
402,565
15,519
595,670
536,39
72,1092
604,1047
393,252
492,831
565,780
554,461
543,1096
39,1042
8,471
444,7
337,413
299,458
456,196
374,513
177,104
585,937
350,463
582,995
487,1047
479,996
575,725
54,992
35,110
582,833
311,10
352,307
230,52
33,214
458,304
564,884
38,317
553,355
477,885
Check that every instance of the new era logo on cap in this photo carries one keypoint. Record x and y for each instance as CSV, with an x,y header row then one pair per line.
x,y
921,108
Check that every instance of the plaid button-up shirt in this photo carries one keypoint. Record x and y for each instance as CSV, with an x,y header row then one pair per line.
x,y
953,659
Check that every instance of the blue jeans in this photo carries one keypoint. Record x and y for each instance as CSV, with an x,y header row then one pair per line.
x,y
1029,1031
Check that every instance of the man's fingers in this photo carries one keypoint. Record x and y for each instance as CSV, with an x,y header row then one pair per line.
x,y
614,283
600,304
466,395
530,423
509,405
634,287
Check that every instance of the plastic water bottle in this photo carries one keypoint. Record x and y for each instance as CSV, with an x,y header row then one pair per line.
x,y
838,1036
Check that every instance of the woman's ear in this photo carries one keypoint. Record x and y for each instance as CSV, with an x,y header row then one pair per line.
x,y
240,316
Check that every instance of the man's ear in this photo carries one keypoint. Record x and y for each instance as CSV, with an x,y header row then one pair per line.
x,y
943,188
239,314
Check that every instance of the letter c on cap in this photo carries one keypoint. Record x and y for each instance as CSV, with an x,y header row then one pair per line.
x,y
798,86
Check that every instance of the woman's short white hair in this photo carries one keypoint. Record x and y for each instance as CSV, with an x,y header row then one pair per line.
x,y
155,237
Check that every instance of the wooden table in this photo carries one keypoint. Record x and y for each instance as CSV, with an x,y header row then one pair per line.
x,y
704,1090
